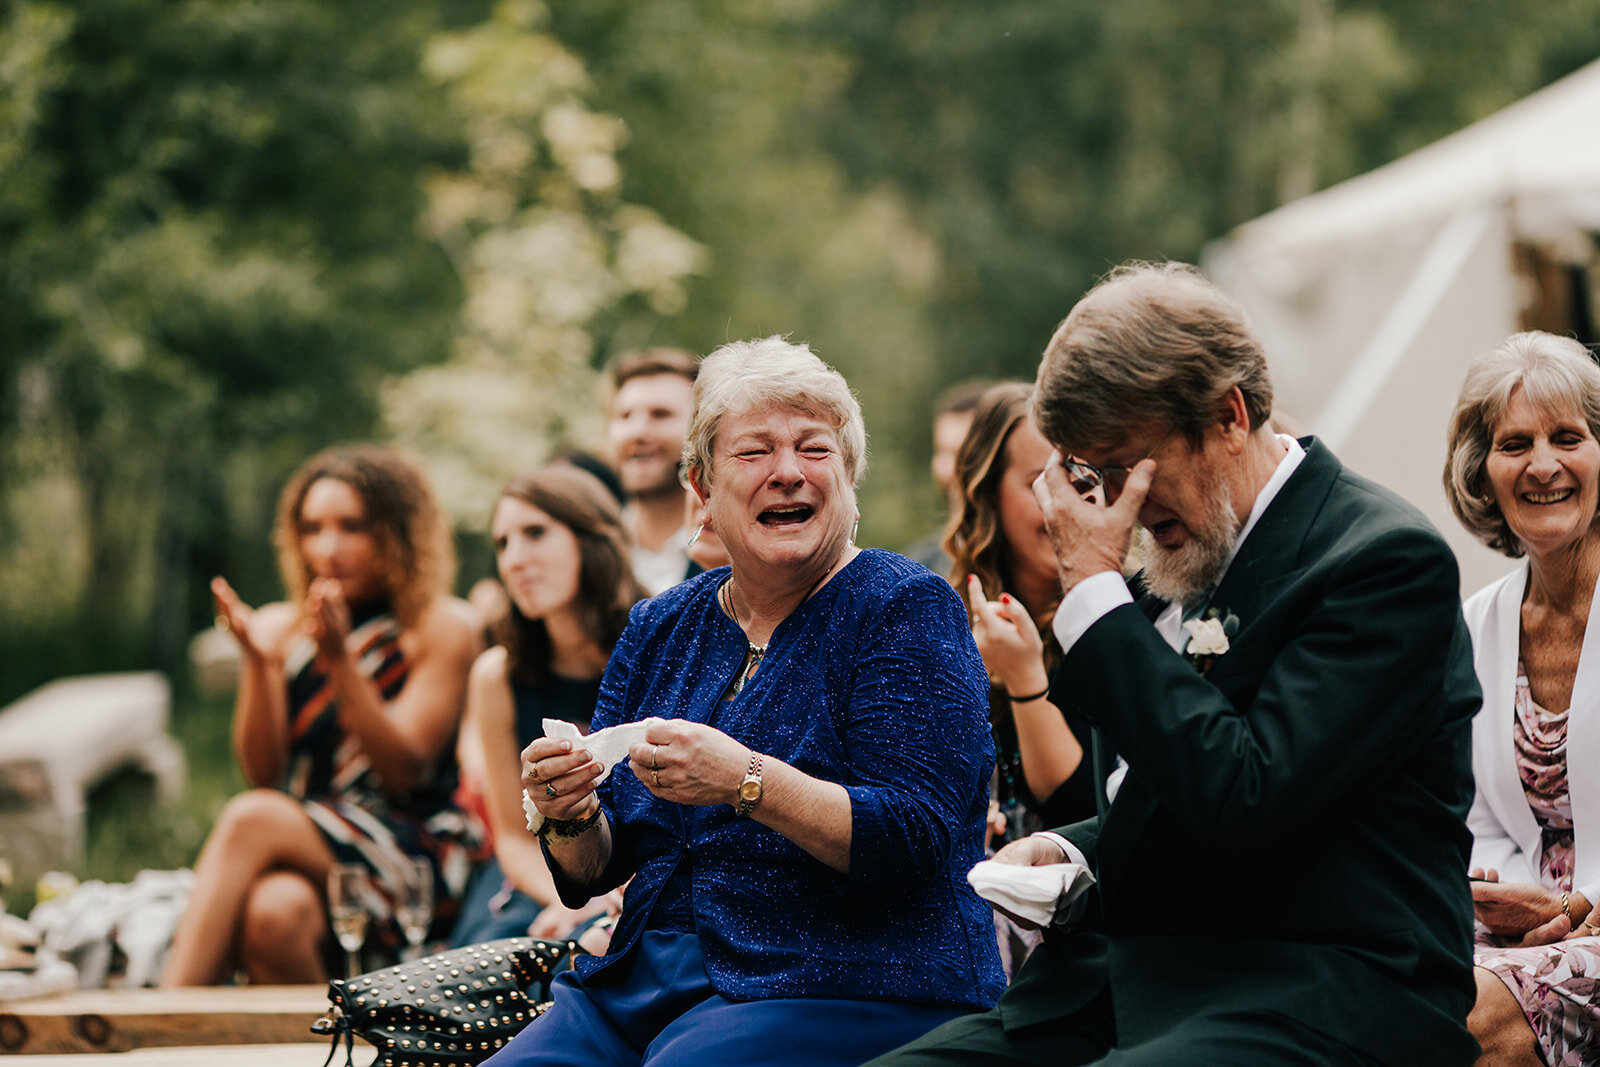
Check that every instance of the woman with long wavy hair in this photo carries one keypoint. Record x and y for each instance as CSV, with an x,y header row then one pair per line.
x,y
561,555
1001,550
350,696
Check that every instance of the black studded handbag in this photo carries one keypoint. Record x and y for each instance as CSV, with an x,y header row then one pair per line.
x,y
457,1007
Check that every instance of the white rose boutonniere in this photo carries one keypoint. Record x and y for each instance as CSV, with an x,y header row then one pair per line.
x,y
1208,637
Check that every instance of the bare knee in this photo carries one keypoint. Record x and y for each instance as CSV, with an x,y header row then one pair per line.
x,y
1500,1026
259,825
257,813
281,926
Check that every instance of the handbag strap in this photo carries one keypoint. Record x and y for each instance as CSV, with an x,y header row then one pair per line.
x,y
337,1023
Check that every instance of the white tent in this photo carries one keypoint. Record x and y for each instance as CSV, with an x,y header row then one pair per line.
x,y
1372,295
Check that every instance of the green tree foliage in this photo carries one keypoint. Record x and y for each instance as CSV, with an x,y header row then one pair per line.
x,y
1020,148
548,255
210,259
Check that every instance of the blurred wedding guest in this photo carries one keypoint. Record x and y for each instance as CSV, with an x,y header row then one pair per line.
x,y
348,705
799,820
1004,565
952,417
649,415
590,463
488,598
1524,475
560,552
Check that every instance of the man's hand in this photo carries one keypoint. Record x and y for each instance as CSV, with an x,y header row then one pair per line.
x,y
1089,538
1032,851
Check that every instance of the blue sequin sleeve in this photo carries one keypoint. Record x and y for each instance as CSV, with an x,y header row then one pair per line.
x,y
918,739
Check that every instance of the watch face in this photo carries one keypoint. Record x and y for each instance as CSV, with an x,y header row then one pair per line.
x,y
750,791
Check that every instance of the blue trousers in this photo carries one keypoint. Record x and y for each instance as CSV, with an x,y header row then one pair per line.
x,y
657,1007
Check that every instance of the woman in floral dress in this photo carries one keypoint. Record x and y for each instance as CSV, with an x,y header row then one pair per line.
x,y
1524,475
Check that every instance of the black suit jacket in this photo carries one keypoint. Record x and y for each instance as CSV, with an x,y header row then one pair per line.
x,y
1290,836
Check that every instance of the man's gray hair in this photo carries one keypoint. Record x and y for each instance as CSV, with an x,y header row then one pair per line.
x,y
746,376
1154,344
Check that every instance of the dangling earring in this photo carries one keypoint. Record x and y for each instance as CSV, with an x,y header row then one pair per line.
x,y
696,535
855,528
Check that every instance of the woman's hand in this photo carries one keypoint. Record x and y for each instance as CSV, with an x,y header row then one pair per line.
x,y
557,921
559,779
238,618
328,617
1007,640
1529,913
689,763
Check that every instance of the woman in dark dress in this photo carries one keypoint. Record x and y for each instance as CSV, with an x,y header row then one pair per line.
x,y
560,552
349,700
1000,549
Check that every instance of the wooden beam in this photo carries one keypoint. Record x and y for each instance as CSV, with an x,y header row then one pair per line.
x,y
208,1056
122,1019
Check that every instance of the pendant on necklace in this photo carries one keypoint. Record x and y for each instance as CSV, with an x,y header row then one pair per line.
x,y
753,660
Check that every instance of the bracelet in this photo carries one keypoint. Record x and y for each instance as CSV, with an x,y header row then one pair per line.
x,y
570,827
1040,695
1566,906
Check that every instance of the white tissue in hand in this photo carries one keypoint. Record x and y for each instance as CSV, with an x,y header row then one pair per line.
x,y
1042,895
608,746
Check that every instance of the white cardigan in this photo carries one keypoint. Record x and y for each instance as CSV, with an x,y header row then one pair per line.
x,y
1505,834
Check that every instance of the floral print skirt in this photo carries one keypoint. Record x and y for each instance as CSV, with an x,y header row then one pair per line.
x,y
1557,985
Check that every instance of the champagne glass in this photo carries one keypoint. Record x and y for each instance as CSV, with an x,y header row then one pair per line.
x,y
347,907
415,909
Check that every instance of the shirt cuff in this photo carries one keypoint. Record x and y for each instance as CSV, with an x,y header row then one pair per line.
x,y
1085,604
1074,855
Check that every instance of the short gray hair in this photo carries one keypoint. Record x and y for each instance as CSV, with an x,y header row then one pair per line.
x,y
1152,343
1556,374
773,372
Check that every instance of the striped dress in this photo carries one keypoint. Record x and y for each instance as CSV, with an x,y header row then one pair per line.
x,y
361,821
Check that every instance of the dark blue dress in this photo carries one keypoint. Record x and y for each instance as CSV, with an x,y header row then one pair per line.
x,y
874,683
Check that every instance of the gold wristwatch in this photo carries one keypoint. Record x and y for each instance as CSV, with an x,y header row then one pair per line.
x,y
750,788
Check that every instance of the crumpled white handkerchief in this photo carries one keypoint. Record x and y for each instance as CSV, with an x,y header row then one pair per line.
x,y
1042,895
608,746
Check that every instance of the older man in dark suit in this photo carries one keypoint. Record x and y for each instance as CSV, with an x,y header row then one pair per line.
x,y
1282,724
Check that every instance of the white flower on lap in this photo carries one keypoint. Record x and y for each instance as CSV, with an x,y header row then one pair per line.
x,y
1206,637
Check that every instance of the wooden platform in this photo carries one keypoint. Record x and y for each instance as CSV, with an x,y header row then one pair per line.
x,y
96,1021
209,1056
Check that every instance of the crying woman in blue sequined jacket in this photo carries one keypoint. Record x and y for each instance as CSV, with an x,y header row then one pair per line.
x,y
799,827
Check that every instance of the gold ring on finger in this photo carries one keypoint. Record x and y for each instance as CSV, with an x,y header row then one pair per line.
x,y
653,750
655,777
550,791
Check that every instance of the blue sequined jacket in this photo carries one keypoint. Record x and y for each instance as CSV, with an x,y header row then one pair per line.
x,y
874,682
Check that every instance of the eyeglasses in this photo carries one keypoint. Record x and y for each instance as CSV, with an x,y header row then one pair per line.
x,y
1086,477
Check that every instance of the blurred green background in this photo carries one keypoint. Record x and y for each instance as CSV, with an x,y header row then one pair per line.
x,y
235,231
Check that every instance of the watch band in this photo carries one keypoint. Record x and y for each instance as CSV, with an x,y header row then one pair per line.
x,y
749,788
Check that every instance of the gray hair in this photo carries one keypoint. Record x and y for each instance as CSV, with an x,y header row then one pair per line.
x,y
1152,343
1556,374
773,372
